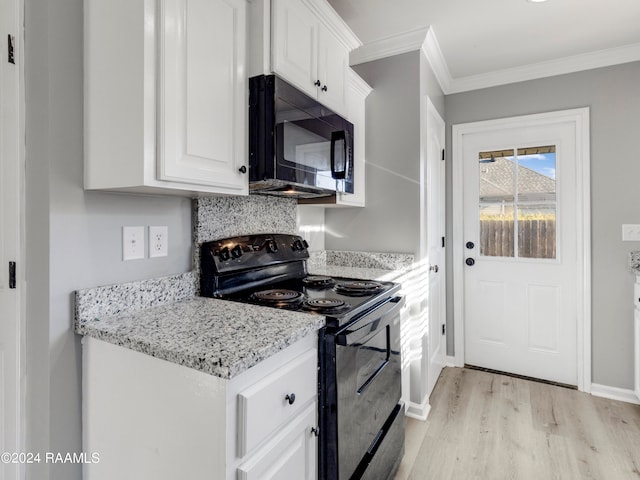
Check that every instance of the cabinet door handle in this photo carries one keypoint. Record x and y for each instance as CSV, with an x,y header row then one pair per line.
x,y
315,431
243,169
317,83
290,398
324,88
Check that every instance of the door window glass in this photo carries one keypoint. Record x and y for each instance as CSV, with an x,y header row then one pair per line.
x,y
518,194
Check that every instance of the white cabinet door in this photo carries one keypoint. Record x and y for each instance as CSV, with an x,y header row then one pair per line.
x,y
292,454
358,91
202,114
165,96
308,55
333,65
295,44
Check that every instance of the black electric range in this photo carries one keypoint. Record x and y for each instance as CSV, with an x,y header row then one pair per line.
x,y
360,412
270,270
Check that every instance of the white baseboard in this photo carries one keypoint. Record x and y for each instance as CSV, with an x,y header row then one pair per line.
x,y
418,411
614,393
450,361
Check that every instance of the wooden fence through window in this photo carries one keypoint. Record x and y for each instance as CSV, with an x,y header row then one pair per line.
x,y
536,237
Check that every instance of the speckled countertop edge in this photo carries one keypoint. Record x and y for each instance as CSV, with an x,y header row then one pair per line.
x,y
162,317
218,337
634,262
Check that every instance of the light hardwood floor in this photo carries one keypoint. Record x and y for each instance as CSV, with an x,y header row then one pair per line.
x,y
492,427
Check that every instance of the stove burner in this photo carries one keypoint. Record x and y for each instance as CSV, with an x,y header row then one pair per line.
x,y
326,305
318,281
278,297
359,287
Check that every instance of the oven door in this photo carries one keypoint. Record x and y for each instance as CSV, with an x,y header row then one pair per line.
x,y
368,381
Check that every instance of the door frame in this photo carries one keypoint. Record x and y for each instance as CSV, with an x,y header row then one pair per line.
x,y
580,118
16,26
436,126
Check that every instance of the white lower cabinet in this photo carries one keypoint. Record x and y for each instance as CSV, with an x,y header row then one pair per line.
x,y
291,454
149,418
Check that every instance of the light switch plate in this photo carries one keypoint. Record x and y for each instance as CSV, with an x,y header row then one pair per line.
x,y
630,233
158,241
132,243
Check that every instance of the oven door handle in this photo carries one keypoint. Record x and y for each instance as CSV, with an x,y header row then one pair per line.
x,y
369,324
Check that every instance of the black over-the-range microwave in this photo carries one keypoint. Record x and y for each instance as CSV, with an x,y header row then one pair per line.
x,y
297,147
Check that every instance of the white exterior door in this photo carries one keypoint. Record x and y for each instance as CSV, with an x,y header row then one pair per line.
x,y
10,234
436,246
521,246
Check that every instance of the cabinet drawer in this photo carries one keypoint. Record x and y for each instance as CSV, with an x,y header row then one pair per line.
x,y
264,406
291,454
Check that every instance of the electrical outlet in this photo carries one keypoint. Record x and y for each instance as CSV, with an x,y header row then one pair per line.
x,y
158,241
132,243
630,233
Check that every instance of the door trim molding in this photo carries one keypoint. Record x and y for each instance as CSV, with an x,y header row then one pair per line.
x,y
580,118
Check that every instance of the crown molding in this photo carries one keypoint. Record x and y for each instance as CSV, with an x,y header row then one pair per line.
x,y
431,50
424,39
389,46
560,66
334,23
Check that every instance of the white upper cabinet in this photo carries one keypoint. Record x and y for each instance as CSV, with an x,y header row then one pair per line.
x,y
166,96
308,51
295,44
358,92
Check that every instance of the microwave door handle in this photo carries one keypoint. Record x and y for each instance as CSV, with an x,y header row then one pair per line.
x,y
336,137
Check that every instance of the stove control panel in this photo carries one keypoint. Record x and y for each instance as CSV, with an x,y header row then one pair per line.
x,y
234,254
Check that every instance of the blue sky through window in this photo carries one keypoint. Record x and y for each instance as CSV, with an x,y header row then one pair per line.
x,y
544,163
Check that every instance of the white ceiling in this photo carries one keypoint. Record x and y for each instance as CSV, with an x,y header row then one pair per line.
x,y
484,37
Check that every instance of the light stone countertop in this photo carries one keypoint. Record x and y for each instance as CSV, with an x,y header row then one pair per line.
x,y
356,272
218,337
163,318
634,262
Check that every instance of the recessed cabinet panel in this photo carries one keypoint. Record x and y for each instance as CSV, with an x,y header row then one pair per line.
x,y
291,455
333,65
202,92
308,54
295,38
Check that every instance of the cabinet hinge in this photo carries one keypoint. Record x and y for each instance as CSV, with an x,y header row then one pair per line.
x,y
443,154
11,49
12,274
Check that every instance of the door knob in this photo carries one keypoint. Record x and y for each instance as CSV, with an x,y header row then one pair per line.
x,y
434,268
470,262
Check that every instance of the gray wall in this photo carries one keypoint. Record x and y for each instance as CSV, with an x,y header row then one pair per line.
x,y
390,220
73,237
613,95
